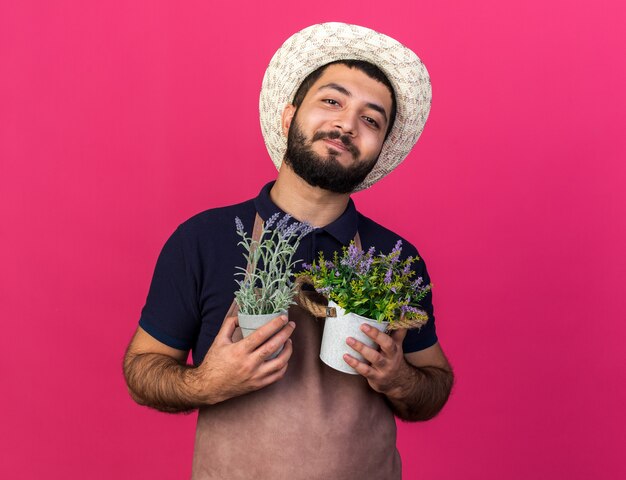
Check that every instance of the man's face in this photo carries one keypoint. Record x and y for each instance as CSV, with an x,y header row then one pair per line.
x,y
335,136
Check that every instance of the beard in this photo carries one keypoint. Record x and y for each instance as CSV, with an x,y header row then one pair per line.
x,y
325,171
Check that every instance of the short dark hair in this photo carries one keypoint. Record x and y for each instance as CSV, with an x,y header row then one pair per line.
x,y
367,68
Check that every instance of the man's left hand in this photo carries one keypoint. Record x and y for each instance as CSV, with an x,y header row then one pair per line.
x,y
387,367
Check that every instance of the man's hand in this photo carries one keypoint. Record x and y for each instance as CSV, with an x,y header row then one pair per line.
x,y
230,369
388,369
417,385
158,376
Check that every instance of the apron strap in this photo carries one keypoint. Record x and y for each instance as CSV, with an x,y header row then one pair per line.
x,y
257,231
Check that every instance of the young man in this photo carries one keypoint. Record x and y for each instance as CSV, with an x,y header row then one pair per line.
x,y
341,106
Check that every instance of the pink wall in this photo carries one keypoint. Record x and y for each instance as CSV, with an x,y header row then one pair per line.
x,y
119,120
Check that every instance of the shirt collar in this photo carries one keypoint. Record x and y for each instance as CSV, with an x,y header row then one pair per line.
x,y
343,229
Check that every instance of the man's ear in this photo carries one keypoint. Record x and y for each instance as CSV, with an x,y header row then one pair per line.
x,y
286,118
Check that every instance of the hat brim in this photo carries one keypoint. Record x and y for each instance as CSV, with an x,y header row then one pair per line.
x,y
318,45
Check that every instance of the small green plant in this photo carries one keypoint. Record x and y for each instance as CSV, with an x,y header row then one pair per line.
x,y
377,287
266,286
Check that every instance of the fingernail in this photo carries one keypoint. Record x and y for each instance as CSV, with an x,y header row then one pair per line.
x,y
284,318
350,341
292,324
365,327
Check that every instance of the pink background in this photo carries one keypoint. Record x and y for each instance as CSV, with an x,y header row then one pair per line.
x,y
119,120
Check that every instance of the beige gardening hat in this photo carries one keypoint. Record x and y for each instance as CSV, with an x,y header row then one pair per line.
x,y
317,45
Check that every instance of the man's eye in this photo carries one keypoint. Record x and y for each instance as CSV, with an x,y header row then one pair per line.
x,y
330,101
371,121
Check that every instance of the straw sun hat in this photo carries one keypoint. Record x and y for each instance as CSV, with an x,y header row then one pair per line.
x,y
317,45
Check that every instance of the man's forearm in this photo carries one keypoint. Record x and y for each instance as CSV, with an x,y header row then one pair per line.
x,y
423,394
160,382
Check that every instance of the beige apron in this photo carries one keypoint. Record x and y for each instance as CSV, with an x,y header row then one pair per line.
x,y
314,423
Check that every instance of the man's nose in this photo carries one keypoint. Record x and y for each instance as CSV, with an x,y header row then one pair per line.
x,y
346,122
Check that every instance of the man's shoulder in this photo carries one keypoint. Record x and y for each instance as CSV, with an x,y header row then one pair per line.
x,y
216,224
374,234
219,217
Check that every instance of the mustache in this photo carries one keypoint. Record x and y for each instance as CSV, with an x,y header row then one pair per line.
x,y
334,135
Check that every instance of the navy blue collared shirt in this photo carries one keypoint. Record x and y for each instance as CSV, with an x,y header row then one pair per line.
x,y
193,283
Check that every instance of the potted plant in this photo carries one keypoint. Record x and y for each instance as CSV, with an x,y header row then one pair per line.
x,y
266,289
362,287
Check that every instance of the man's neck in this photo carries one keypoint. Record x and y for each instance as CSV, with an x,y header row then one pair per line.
x,y
314,205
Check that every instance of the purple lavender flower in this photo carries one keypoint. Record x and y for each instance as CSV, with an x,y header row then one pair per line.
x,y
271,220
365,261
395,253
286,230
388,276
407,267
353,257
289,231
365,265
239,225
409,309
283,221
353,253
305,229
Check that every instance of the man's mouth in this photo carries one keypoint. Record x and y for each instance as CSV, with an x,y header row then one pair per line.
x,y
335,141
336,144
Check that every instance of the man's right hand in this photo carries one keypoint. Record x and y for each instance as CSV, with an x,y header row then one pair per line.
x,y
230,369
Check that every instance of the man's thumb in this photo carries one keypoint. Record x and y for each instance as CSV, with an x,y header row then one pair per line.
x,y
398,335
225,335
